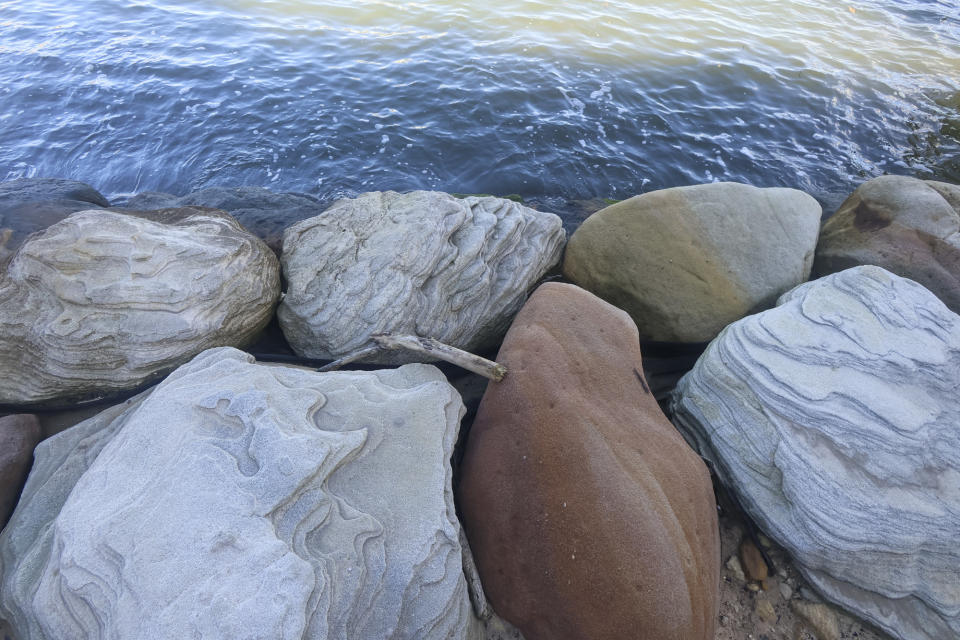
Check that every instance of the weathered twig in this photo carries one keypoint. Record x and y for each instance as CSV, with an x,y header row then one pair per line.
x,y
429,347
353,357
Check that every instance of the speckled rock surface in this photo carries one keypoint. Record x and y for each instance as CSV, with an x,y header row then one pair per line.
x,y
908,226
685,262
588,514
19,434
104,301
239,500
422,263
262,212
834,419
32,204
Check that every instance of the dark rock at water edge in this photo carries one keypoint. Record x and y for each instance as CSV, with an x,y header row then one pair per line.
x,y
31,204
262,212
19,434
908,226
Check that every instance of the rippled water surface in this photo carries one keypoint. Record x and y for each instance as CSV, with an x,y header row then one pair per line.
x,y
556,101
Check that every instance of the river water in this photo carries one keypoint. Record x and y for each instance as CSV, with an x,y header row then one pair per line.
x,y
554,101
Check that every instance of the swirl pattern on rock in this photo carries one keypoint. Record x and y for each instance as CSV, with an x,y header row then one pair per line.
x,y
423,263
834,418
588,514
908,226
105,301
239,500
686,262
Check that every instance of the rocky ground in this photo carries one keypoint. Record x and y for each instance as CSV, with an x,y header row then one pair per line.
x,y
779,607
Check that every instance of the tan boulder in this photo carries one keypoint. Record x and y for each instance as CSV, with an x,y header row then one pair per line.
x,y
908,226
588,514
686,262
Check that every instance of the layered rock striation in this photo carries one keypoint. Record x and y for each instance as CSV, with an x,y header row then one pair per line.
x,y
239,500
685,262
104,301
423,263
834,419
588,514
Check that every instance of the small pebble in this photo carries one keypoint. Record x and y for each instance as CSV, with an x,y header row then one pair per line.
x,y
765,611
733,564
785,590
820,617
752,561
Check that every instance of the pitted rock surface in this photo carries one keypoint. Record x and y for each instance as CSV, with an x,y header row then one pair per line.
x,y
588,514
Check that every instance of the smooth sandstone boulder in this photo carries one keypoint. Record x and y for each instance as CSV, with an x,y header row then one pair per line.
x,y
685,262
262,212
588,514
19,434
423,263
104,301
240,500
908,226
834,419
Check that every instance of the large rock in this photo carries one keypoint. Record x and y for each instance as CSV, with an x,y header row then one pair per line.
x,y
19,434
103,301
834,418
239,500
262,212
422,263
685,262
588,514
908,226
33,204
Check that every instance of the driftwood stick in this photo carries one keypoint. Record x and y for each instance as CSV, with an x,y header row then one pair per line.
x,y
353,357
428,347
435,349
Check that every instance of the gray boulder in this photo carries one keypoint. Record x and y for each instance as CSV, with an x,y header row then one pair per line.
x,y
423,263
238,500
686,262
103,302
262,212
834,419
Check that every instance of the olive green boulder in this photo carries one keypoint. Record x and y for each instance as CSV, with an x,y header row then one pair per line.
x,y
686,262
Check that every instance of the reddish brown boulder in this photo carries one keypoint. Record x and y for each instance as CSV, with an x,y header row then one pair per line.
x,y
587,512
19,434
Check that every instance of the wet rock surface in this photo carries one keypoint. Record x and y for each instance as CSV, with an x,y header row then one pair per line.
x,y
908,226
